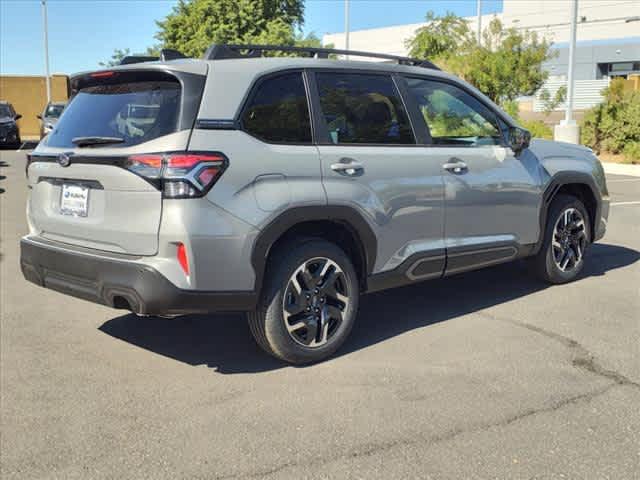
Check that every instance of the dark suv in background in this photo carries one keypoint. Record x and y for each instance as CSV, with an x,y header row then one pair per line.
x,y
9,131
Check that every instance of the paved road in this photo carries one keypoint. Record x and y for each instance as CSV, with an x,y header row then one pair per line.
x,y
487,375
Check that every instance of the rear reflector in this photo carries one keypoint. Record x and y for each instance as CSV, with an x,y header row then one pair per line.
x,y
182,258
179,175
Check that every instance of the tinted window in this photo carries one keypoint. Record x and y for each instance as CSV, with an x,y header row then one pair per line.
x,y
136,112
453,116
5,111
54,111
278,111
363,109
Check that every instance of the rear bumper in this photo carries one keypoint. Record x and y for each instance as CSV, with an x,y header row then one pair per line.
x,y
120,283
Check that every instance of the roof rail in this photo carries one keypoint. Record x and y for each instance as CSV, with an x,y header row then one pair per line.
x,y
166,54
223,51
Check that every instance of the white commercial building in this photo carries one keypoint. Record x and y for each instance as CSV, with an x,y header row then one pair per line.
x,y
608,39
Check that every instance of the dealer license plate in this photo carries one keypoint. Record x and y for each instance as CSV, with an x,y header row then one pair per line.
x,y
74,200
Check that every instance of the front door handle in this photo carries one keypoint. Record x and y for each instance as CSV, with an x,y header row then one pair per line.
x,y
455,165
348,166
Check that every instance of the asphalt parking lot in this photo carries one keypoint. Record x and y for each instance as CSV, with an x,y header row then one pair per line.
x,y
486,375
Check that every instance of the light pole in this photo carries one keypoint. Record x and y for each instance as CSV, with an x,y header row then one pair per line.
x,y
346,26
46,49
479,14
568,130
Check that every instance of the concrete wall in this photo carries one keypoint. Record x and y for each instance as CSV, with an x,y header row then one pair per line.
x,y
28,95
589,55
600,20
390,40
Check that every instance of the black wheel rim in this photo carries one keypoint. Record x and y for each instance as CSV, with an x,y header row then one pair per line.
x,y
569,240
315,302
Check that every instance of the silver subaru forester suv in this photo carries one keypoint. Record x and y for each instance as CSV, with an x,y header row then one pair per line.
x,y
287,187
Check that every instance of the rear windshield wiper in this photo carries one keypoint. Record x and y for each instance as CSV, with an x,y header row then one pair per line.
x,y
88,141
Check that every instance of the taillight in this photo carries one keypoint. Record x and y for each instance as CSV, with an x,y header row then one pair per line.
x,y
179,175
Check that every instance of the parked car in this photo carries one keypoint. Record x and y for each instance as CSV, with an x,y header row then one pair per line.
x,y
9,130
288,187
49,117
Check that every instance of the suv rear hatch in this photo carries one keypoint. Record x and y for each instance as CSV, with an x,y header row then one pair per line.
x,y
94,183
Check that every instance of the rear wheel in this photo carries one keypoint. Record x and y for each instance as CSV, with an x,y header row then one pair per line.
x,y
309,303
567,235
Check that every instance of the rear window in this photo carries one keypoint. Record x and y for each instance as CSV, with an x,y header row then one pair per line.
x,y
54,111
136,112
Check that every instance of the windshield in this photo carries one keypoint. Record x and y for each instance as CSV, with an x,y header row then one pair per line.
x,y
5,111
54,111
136,112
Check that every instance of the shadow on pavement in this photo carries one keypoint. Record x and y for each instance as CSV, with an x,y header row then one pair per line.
x,y
224,342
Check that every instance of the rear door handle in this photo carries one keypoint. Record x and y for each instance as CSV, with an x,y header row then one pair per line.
x,y
455,166
348,166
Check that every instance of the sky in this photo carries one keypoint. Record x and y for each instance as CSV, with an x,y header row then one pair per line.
x,y
85,32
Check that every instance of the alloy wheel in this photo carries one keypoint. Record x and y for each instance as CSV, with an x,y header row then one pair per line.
x,y
315,302
569,240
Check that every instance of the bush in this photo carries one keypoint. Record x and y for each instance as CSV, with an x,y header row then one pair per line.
x,y
632,152
538,129
615,123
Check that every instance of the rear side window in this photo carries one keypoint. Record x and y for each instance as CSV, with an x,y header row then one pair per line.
x,y
136,112
278,111
360,108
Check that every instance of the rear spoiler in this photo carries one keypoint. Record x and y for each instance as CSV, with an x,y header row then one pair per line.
x,y
165,55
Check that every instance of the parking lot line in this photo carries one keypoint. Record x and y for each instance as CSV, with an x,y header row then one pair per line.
x,y
624,180
635,202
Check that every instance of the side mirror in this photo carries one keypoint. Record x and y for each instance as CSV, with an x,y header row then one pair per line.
x,y
18,116
39,117
519,139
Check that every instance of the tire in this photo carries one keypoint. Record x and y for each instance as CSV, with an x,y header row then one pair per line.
x,y
557,249
320,332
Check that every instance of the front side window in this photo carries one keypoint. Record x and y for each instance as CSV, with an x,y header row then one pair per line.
x,y
453,116
363,109
278,111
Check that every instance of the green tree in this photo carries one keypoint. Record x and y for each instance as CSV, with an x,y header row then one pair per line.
x,y
550,103
118,54
193,25
505,65
440,38
116,57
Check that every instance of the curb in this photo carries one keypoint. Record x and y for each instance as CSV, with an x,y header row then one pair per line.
x,y
621,169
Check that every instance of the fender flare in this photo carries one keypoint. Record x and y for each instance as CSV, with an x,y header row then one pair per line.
x,y
556,182
349,216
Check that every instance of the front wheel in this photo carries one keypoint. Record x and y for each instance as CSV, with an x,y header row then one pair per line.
x,y
567,237
309,304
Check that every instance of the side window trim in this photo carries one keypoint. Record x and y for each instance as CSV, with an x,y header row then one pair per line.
x,y
318,127
323,132
253,91
499,117
420,128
